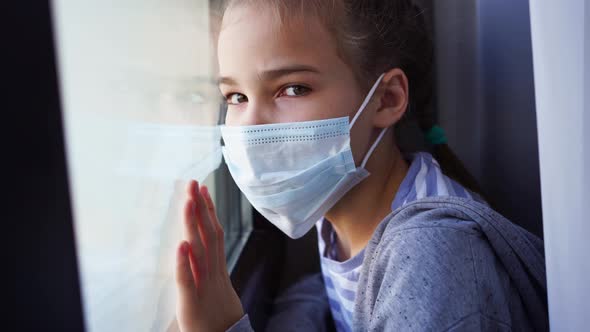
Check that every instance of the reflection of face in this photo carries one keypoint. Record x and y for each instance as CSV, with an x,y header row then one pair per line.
x,y
272,74
148,64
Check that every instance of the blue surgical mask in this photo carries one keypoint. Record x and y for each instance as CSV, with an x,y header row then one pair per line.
x,y
293,173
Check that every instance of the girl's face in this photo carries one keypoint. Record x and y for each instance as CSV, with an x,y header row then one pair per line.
x,y
290,73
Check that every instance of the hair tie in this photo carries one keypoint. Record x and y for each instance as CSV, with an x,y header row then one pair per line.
x,y
436,136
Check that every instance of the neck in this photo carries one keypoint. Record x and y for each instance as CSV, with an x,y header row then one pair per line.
x,y
356,216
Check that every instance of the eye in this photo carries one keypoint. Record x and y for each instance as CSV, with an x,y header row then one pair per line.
x,y
295,91
236,98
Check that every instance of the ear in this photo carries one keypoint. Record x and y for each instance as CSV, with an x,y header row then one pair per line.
x,y
394,98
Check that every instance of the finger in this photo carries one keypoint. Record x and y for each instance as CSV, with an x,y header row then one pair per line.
x,y
185,279
192,189
218,231
207,231
191,229
213,236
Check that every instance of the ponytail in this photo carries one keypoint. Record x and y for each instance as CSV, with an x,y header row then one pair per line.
x,y
453,168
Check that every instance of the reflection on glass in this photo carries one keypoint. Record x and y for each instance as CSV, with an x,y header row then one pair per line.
x,y
140,112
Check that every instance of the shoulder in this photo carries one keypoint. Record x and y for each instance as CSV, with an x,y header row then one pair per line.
x,y
426,240
426,269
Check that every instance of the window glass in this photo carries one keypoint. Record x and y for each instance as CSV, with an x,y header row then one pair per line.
x,y
141,111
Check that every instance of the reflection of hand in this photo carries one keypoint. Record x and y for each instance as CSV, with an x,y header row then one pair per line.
x,y
206,298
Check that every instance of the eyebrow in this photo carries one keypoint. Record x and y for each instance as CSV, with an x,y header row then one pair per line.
x,y
273,74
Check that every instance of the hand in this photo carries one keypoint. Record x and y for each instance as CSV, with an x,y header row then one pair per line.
x,y
206,299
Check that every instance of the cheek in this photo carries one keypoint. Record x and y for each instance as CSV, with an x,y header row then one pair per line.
x,y
235,118
299,109
319,105
239,115
342,101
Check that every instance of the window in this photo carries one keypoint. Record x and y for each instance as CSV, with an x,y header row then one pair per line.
x,y
141,111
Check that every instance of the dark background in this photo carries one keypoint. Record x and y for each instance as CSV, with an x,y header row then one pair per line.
x,y
41,289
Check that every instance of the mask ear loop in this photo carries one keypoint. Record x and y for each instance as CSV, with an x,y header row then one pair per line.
x,y
373,147
361,110
366,101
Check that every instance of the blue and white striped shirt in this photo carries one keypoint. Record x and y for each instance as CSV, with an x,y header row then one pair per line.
x,y
424,179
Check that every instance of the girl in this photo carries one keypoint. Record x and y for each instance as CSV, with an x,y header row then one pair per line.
x,y
315,91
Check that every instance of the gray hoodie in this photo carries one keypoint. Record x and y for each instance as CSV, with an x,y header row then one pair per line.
x,y
437,264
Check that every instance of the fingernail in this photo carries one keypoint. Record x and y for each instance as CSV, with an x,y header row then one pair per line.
x,y
206,190
184,248
196,187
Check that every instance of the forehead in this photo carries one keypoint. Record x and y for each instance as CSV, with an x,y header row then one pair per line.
x,y
254,37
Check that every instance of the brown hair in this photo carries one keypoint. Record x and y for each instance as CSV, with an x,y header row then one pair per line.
x,y
374,36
